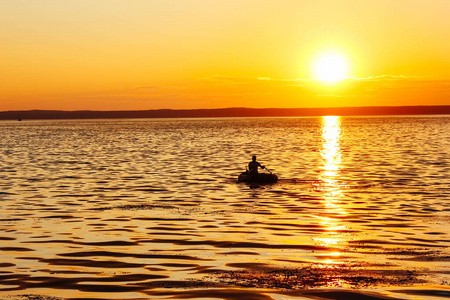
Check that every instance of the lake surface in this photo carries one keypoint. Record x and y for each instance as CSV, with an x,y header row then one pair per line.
x,y
150,209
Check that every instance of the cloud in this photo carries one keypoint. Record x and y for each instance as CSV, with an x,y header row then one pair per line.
x,y
264,91
247,80
384,78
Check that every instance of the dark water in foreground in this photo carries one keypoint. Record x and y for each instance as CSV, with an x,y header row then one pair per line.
x,y
139,209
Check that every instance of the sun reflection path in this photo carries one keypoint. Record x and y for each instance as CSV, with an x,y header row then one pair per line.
x,y
331,151
331,186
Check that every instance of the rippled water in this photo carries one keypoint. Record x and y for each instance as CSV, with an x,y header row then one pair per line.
x,y
118,209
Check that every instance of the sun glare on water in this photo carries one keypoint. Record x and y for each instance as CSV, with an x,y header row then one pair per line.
x,y
330,67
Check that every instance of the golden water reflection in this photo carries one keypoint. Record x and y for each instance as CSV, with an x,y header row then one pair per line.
x,y
331,152
330,182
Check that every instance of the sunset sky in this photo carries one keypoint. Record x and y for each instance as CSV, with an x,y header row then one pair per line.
x,y
150,54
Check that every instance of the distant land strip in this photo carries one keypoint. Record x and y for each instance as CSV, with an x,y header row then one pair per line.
x,y
225,112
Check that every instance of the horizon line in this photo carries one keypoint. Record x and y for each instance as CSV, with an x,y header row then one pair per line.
x,y
224,108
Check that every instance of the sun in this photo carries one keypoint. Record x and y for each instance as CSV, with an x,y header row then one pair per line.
x,y
331,67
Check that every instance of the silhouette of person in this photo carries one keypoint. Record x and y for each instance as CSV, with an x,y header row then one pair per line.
x,y
253,166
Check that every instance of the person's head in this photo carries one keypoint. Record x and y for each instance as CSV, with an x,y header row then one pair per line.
x,y
254,157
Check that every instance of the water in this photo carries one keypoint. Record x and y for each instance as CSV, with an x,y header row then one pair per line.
x,y
136,209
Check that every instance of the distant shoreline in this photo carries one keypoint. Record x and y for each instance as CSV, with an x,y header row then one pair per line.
x,y
225,112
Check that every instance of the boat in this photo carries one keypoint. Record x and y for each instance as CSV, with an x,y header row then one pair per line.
x,y
260,178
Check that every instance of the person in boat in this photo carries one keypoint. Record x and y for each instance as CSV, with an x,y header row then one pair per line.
x,y
253,166
251,175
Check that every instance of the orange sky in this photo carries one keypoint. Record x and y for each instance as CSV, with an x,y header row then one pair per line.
x,y
147,54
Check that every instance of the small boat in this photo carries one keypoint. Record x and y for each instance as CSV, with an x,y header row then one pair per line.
x,y
261,178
